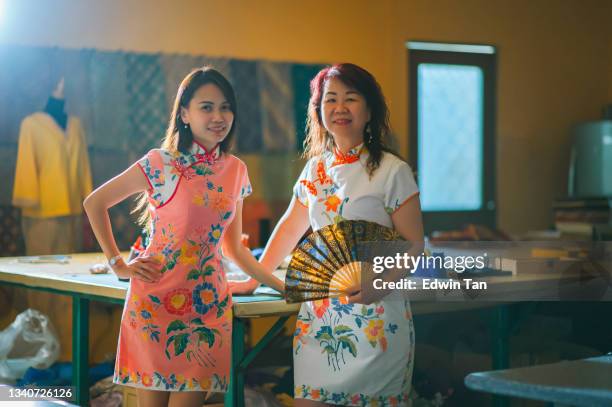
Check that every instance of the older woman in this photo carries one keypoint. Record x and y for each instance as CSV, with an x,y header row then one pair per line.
x,y
347,353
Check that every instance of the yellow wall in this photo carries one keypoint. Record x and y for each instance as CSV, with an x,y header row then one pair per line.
x,y
554,59
551,68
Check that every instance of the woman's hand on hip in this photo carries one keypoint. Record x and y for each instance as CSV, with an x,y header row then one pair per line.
x,y
147,269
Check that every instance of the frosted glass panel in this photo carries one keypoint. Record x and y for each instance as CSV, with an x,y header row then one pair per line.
x,y
450,109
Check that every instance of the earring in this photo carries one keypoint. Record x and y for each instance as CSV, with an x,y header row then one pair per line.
x,y
186,125
368,133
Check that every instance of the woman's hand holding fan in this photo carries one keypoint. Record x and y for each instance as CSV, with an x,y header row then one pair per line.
x,y
327,263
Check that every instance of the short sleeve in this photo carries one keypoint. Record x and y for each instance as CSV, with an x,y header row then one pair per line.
x,y
400,187
152,166
299,189
245,184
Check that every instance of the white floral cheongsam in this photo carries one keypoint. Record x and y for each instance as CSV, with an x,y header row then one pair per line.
x,y
353,354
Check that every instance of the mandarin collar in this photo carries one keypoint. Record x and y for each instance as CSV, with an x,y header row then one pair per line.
x,y
199,153
349,157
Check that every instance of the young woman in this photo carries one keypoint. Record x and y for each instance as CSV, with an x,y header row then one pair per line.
x,y
175,337
347,353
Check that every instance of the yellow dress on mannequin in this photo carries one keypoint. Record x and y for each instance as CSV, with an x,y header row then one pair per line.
x,y
52,177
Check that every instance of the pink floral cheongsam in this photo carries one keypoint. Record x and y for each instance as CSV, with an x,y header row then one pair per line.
x,y
353,354
176,334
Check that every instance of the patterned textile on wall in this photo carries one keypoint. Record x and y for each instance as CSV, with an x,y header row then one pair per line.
x,y
125,228
273,175
8,160
11,239
176,67
75,67
248,125
27,78
276,94
110,125
106,164
301,75
148,112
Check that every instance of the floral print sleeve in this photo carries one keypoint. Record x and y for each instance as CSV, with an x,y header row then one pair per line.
x,y
299,189
400,187
152,166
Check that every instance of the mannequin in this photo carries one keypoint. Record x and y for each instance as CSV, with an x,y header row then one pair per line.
x,y
55,105
52,177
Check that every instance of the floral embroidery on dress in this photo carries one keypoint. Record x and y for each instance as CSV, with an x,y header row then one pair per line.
x,y
302,327
190,339
170,382
183,170
342,398
155,175
325,189
178,301
335,336
245,191
142,317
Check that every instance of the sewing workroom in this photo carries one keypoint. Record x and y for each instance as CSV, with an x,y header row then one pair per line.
x,y
305,203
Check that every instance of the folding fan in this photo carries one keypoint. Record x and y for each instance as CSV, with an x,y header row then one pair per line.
x,y
327,263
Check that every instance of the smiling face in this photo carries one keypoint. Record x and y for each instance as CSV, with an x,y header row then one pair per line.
x,y
209,115
344,113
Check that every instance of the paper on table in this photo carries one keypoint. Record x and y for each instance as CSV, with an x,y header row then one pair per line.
x,y
56,258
